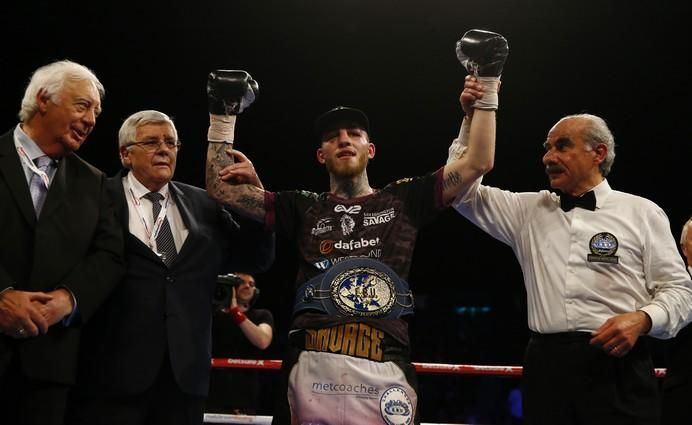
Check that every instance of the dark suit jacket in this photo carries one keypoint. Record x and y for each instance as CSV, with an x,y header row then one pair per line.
x,y
157,311
677,384
76,243
679,360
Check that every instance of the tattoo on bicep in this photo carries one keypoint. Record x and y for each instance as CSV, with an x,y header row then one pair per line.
x,y
252,204
452,180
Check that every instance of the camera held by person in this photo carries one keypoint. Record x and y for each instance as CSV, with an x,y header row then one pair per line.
x,y
238,331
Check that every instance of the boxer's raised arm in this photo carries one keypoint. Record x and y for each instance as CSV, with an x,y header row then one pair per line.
x,y
472,154
230,176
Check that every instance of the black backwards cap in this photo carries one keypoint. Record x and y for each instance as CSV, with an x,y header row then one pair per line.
x,y
341,117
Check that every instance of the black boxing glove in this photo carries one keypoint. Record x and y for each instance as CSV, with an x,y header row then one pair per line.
x,y
230,91
483,53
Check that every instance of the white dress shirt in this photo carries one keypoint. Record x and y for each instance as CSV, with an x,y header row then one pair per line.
x,y
635,266
133,187
21,139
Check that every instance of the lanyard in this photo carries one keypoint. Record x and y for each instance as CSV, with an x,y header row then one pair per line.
x,y
29,163
158,222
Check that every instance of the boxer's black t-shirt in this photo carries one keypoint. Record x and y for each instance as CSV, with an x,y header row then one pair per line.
x,y
328,229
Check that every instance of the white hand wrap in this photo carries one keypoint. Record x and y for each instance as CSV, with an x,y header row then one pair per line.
x,y
489,101
221,128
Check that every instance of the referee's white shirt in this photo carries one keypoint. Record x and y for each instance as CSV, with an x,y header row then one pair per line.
x,y
565,290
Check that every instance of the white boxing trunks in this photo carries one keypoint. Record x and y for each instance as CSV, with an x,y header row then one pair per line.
x,y
336,389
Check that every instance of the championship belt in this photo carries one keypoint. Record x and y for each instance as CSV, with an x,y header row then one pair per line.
x,y
356,287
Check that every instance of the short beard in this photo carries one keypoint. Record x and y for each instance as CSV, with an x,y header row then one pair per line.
x,y
347,172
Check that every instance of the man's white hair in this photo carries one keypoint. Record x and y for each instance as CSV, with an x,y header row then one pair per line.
x,y
128,130
597,133
51,79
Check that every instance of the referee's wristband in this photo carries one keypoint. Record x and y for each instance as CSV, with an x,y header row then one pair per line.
x,y
237,315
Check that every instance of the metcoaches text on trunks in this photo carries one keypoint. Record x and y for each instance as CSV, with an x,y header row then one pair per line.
x,y
359,286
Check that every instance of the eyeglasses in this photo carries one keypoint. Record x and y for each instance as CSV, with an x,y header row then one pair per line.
x,y
155,145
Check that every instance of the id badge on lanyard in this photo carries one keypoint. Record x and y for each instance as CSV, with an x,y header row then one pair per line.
x,y
29,163
152,232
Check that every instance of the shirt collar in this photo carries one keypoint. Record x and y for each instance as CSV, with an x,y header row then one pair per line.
x,y
24,141
601,190
139,190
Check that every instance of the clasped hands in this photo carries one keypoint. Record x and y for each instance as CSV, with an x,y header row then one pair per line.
x,y
26,314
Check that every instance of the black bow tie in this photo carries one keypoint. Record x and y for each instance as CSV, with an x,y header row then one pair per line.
x,y
586,201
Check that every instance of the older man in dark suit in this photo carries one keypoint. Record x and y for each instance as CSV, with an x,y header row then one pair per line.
x,y
60,246
677,384
147,355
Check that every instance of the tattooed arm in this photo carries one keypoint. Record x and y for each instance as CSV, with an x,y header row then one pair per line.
x,y
231,180
476,151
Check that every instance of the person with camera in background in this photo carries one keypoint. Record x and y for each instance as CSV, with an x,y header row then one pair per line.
x,y
239,331
146,354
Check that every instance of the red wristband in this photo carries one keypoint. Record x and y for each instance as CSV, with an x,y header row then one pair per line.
x,y
237,315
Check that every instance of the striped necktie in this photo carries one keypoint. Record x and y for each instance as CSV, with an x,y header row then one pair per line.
x,y
165,244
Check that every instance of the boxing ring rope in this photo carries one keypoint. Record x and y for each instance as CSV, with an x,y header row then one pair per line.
x,y
432,368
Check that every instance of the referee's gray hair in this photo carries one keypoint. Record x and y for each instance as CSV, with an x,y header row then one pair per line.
x,y
685,229
128,130
598,133
51,79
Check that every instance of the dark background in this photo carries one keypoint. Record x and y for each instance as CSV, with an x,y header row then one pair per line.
x,y
621,60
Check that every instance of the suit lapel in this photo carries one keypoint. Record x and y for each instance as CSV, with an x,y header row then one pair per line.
x,y
185,205
58,187
13,173
117,191
122,212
